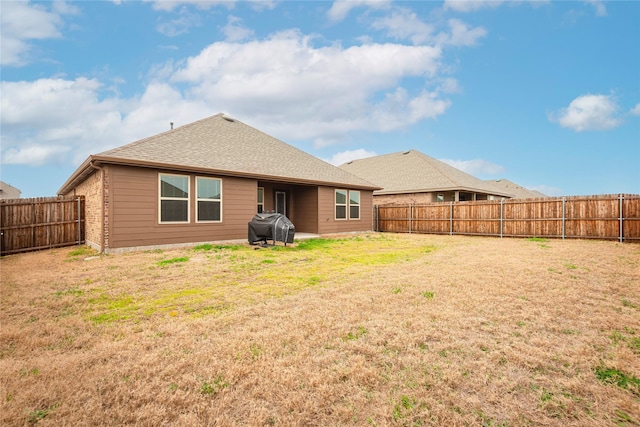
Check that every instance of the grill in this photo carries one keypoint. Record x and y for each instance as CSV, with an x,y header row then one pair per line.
x,y
271,226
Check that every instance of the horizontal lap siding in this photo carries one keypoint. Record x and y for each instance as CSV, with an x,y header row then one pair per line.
x,y
326,211
133,211
306,209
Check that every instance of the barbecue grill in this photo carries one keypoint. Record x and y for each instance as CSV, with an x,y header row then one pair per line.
x,y
271,226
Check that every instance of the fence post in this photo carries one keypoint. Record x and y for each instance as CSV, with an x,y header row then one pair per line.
x,y
377,218
410,217
621,219
79,224
564,199
501,216
451,219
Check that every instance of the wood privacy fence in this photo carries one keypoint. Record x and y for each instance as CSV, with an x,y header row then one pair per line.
x,y
40,223
591,217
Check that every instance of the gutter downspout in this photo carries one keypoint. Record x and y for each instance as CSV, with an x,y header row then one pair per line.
x,y
101,170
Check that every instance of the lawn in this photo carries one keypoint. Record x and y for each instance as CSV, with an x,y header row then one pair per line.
x,y
372,329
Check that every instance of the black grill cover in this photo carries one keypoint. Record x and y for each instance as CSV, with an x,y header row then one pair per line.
x,y
271,226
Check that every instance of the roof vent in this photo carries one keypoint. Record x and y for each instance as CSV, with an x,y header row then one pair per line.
x,y
229,119
407,152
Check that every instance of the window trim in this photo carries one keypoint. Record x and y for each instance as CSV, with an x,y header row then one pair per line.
x,y
358,204
345,204
161,198
260,204
197,199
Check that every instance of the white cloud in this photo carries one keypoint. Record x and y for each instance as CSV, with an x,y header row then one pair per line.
x,y
298,91
22,22
461,34
180,25
404,24
283,85
169,5
48,118
589,112
341,8
635,111
598,5
349,155
475,167
473,5
34,154
234,30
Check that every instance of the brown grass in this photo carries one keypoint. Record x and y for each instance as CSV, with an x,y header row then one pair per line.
x,y
378,329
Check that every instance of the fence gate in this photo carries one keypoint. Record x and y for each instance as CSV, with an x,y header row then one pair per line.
x,y
41,223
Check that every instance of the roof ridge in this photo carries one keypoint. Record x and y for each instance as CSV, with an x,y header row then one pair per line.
x,y
159,135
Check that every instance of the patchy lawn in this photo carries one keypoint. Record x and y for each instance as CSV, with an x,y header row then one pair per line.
x,y
377,329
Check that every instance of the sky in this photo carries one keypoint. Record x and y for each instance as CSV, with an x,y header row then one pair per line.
x,y
543,93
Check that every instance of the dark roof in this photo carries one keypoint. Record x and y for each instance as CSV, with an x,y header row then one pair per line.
x,y
414,172
224,146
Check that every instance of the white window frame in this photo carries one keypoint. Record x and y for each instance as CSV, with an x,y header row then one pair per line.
x,y
345,204
354,205
161,198
260,203
198,200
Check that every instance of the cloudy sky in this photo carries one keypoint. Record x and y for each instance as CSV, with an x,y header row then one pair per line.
x,y
545,94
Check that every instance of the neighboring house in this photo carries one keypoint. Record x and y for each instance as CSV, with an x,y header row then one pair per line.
x,y
413,177
205,181
518,191
8,192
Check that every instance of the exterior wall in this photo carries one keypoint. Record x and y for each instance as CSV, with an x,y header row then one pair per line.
x,y
386,199
92,190
133,211
306,209
327,222
430,197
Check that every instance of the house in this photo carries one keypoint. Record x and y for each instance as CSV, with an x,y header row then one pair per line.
x,y
205,181
8,192
414,177
518,191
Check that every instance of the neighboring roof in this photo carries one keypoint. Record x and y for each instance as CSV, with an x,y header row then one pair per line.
x,y
519,191
9,192
225,146
414,172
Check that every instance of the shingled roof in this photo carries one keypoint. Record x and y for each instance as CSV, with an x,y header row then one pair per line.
x,y
224,146
518,191
414,172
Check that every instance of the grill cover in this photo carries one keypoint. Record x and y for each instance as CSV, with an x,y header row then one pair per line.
x,y
271,226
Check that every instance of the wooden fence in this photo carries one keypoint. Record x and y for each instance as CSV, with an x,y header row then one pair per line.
x,y
40,223
615,217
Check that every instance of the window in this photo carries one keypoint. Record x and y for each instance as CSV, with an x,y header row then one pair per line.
x,y
341,204
354,205
260,199
440,197
174,198
209,199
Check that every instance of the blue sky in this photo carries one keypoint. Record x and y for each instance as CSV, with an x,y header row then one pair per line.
x,y
545,94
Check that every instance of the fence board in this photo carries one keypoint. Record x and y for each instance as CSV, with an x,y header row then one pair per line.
x,y
583,217
40,223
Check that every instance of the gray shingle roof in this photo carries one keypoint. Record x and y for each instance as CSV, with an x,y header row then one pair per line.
x,y
226,146
518,191
414,172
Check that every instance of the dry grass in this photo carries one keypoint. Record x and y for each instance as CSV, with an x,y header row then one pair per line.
x,y
369,330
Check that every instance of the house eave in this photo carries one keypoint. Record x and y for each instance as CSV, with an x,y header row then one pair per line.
x,y
102,160
443,189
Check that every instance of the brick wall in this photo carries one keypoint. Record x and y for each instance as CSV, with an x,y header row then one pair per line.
x,y
384,199
91,189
